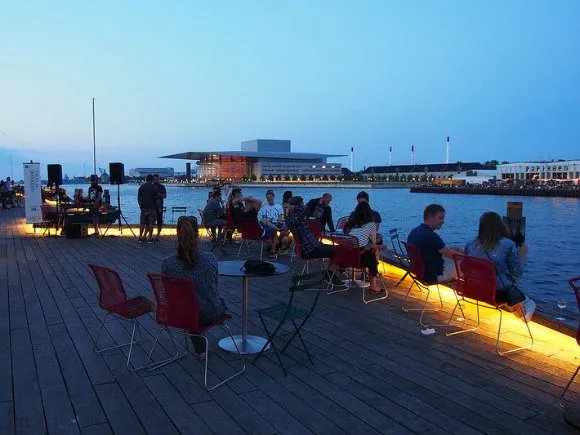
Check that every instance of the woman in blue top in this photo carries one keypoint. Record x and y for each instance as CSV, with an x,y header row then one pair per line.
x,y
202,268
493,243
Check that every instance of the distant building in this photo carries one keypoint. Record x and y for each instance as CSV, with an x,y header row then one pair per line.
x,y
420,172
260,158
541,171
143,172
476,176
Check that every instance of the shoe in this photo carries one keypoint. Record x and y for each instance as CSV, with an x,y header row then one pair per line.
x,y
273,255
337,282
141,240
284,251
343,276
529,307
150,241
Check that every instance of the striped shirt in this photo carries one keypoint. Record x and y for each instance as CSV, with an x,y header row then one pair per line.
x,y
364,234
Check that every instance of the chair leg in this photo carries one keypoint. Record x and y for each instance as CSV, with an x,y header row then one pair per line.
x,y
377,298
475,328
243,369
402,279
562,404
270,342
294,335
130,343
175,357
517,349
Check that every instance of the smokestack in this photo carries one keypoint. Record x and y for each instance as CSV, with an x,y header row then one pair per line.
x,y
352,159
447,151
390,155
188,171
412,154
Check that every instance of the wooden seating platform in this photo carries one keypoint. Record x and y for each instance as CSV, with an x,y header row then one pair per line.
x,y
374,372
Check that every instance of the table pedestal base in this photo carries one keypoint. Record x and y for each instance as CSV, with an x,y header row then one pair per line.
x,y
252,345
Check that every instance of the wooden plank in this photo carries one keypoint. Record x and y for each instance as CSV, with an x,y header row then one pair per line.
x,y
29,414
6,418
58,410
119,413
181,413
87,408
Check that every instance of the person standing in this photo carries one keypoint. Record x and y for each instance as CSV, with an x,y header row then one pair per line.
x,y
147,196
161,195
95,199
319,209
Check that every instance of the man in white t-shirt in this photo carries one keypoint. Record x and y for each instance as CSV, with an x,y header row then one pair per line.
x,y
270,216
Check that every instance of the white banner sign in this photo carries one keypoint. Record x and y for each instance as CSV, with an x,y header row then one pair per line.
x,y
32,193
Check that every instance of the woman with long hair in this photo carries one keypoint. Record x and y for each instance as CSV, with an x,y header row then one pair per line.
x,y
202,268
493,243
361,225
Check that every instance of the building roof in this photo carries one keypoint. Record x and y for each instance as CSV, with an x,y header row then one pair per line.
x,y
198,155
424,167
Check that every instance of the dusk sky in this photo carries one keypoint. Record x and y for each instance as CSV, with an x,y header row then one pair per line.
x,y
501,78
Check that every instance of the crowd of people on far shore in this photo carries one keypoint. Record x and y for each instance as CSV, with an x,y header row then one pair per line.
x,y
11,194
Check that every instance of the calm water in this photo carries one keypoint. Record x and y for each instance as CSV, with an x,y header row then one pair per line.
x,y
552,225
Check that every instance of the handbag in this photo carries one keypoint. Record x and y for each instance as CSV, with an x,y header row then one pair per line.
x,y
511,295
259,267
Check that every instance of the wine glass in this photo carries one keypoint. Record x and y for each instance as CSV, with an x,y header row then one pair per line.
x,y
562,303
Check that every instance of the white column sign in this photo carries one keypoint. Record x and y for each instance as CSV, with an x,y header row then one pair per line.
x,y
32,193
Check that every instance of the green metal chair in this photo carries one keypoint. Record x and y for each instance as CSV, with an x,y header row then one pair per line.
x,y
284,313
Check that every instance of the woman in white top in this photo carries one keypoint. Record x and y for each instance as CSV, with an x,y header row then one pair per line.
x,y
362,226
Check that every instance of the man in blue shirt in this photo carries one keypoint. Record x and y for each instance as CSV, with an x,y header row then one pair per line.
x,y
432,247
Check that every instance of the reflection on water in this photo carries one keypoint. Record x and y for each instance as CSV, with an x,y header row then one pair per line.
x,y
551,223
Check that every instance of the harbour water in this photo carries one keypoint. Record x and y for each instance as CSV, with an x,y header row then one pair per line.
x,y
552,229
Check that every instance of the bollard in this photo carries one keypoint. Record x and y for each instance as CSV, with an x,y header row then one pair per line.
x,y
516,222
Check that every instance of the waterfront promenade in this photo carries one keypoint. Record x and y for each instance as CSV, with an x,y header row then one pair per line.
x,y
374,371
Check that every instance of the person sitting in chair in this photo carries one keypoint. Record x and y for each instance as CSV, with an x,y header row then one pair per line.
x,y
432,247
202,268
319,209
214,213
493,243
361,225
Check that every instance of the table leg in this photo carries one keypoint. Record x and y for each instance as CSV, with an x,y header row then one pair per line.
x,y
247,344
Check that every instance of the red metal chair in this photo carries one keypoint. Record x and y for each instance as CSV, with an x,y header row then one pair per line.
x,y
575,284
178,308
341,223
315,227
113,299
416,271
347,254
251,231
476,284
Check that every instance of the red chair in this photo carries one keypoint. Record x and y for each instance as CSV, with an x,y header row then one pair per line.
x,y
347,254
476,284
300,254
575,284
315,228
251,231
178,308
113,299
341,223
416,271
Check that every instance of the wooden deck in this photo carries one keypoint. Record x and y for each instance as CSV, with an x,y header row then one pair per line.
x,y
374,371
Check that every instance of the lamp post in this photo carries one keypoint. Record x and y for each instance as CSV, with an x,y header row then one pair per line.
x,y
94,142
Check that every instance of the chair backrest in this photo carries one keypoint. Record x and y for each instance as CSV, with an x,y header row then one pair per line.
x,y
341,223
416,266
112,291
346,252
575,284
230,223
251,229
177,302
396,242
475,278
315,227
